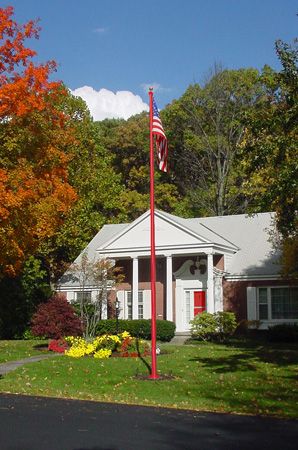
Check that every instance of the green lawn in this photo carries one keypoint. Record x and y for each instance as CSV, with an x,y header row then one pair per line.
x,y
243,377
13,350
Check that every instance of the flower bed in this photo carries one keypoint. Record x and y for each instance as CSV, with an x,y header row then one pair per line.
x,y
102,347
58,345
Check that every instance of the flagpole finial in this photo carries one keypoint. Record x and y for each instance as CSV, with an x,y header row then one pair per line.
x,y
150,89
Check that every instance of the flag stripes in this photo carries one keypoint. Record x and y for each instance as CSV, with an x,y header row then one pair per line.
x,y
160,140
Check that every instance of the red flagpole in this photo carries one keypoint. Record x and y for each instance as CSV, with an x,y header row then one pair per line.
x,y
154,374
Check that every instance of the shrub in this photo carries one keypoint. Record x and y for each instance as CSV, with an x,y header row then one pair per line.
x,y
100,347
247,327
57,345
227,324
165,329
105,345
218,326
283,333
132,346
203,326
56,319
29,336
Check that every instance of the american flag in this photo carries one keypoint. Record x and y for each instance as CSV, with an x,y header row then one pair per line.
x,y
160,139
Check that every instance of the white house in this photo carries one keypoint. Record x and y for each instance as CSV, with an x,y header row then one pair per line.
x,y
210,263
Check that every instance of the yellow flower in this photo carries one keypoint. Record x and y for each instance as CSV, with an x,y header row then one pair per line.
x,y
89,349
115,339
75,352
102,353
125,335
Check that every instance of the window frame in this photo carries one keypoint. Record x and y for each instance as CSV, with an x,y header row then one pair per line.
x,y
140,304
128,301
269,304
129,304
83,293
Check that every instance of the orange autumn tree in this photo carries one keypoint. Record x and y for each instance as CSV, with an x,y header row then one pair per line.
x,y
35,195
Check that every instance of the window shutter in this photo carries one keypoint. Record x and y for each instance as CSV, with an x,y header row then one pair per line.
x,y
120,296
147,304
251,296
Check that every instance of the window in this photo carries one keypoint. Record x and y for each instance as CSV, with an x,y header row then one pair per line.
x,y
140,304
284,303
276,303
83,296
263,304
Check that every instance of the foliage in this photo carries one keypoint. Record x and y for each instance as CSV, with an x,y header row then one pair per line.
x,y
34,281
24,85
133,347
204,326
55,319
103,346
29,336
165,329
99,346
103,276
128,142
34,190
270,152
20,296
57,345
289,257
97,185
270,143
283,333
14,311
205,128
218,326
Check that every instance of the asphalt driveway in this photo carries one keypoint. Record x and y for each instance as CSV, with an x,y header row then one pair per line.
x,y
37,423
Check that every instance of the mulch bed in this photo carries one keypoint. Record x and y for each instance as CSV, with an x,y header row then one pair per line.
x,y
41,347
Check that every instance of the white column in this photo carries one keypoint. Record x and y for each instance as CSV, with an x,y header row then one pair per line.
x,y
135,287
210,284
169,288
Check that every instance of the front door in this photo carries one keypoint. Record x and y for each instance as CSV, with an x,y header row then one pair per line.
x,y
199,302
194,303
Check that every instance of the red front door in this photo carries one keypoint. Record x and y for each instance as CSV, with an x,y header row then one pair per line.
x,y
199,302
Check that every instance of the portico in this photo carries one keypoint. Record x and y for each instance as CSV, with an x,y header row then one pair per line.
x,y
185,269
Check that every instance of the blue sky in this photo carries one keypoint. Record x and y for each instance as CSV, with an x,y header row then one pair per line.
x,y
124,45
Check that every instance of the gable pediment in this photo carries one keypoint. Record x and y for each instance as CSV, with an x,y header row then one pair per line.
x,y
167,235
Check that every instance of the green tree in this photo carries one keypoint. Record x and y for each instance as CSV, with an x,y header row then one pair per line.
x,y
103,276
129,143
270,145
96,183
20,296
270,153
206,127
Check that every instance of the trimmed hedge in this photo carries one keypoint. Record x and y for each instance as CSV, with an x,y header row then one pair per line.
x,y
165,330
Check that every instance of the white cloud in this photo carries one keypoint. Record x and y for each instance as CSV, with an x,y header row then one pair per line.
x,y
156,87
100,30
105,104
